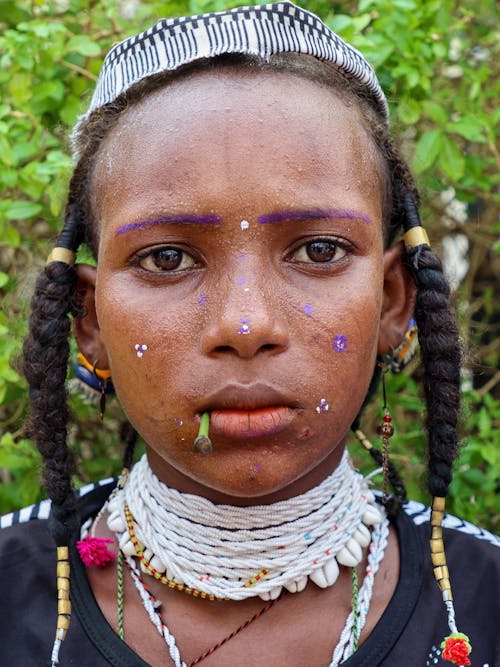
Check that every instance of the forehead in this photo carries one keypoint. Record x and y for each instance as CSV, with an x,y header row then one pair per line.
x,y
233,130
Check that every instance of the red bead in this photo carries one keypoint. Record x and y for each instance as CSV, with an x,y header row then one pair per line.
x,y
387,419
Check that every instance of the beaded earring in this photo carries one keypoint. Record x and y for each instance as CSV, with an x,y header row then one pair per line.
x,y
94,383
406,350
385,430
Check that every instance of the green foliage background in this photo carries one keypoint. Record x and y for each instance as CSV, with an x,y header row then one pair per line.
x,y
438,61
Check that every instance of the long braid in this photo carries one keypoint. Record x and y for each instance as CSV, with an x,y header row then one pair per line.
x,y
46,353
441,356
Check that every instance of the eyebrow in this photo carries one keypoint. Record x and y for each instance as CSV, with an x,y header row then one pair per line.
x,y
169,219
314,213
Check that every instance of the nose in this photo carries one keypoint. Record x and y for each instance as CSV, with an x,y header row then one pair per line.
x,y
246,323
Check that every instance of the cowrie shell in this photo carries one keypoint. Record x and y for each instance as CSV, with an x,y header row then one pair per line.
x,y
370,496
372,516
297,585
362,535
157,564
327,575
116,523
345,557
127,547
114,505
272,594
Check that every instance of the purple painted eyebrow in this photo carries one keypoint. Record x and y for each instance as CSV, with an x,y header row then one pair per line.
x,y
314,213
170,219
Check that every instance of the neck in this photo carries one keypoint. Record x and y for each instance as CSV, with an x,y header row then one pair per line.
x,y
175,479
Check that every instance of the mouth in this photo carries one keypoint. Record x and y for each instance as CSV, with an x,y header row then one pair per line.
x,y
249,411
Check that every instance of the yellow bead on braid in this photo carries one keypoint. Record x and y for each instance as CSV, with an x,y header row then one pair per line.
x,y
63,601
456,646
438,555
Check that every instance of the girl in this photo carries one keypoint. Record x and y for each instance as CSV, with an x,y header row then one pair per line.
x,y
237,183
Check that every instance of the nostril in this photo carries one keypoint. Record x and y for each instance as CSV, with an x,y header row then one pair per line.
x,y
224,348
268,346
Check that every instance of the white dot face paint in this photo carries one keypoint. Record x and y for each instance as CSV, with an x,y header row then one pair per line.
x,y
323,406
244,327
140,349
244,224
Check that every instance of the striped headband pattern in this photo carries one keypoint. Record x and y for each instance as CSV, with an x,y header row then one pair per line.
x,y
262,30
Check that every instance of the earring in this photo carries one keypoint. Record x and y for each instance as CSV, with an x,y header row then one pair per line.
x,y
406,350
385,430
102,387
94,383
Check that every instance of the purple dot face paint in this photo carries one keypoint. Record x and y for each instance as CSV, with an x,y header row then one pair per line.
x,y
202,299
257,468
140,349
169,219
323,406
244,328
241,281
314,214
178,421
308,309
242,257
340,343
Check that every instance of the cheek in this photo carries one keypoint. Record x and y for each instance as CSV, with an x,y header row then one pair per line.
x,y
146,338
340,337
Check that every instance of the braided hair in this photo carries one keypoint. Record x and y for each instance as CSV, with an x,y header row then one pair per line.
x,y
46,347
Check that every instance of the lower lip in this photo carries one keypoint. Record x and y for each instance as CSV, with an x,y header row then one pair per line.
x,y
251,423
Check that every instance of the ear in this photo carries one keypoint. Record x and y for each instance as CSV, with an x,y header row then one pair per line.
x,y
398,300
85,326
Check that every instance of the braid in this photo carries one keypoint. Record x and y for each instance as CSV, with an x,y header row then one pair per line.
x,y
437,329
439,342
46,352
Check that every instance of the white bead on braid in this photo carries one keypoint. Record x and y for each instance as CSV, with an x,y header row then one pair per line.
x,y
240,552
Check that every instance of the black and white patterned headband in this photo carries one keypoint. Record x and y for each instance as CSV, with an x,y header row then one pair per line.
x,y
262,30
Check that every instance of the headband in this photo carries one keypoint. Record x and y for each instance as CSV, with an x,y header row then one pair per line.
x,y
264,30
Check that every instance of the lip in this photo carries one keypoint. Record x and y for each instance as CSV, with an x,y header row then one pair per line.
x,y
251,423
249,411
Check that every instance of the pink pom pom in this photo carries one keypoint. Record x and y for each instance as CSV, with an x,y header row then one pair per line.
x,y
94,552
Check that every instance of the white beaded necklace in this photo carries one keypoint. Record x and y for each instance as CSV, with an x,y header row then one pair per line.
x,y
240,552
346,644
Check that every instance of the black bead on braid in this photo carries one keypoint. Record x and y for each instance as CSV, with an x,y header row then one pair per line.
x,y
441,355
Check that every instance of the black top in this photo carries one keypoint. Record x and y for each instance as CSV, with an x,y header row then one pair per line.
x,y
408,634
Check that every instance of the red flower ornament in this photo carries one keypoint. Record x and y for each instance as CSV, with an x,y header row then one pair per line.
x,y
456,648
94,552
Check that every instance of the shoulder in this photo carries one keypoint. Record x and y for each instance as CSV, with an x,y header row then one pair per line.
x,y
455,529
31,522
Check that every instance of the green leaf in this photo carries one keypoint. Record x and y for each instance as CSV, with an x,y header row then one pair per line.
x,y
4,279
469,128
84,45
22,209
427,149
451,160
435,112
484,422
409,111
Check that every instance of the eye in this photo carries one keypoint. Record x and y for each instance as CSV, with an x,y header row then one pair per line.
x,y
164,260
319,251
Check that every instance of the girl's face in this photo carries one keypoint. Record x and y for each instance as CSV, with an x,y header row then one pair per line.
x,y
240,272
